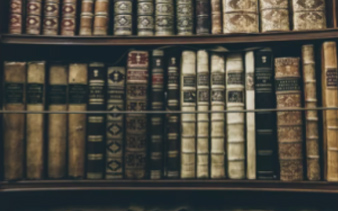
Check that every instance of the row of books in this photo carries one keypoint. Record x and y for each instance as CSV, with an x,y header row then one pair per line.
x,y
159,17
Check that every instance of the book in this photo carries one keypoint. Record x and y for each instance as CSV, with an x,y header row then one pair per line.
x,y
330,117
96,122
164,17
123,17
203,21
86,17
14,124
145,19
217,122
35,123
57,123
240,16
188,120
136,124
15,16
308,15
68,21
101,17
274,15
235,97
184,17
33,16
51,17
289,123
77,101
216,17
116,77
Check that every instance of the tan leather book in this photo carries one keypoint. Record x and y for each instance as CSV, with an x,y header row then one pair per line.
x,y
15,17
308,14
86,17
33,16
216,17
51,17
68,21
101,19
274,15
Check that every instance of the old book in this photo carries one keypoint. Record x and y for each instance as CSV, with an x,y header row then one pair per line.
x,y
164,17
136,124
116,77
235,120
203,78
101,17
77,101
311,116
57,123
68,21
308,15
14,124
184,17
203,21
96,122
86,17
123,17
15,16
145,17
330,117
266,144
274,15
51,17
289,123
216,17
240,16
188,121
217,123
33,16
35,142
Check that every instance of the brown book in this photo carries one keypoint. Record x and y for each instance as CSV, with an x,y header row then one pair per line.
x,y
86,19
274,15
35,92
330,117
14,124
68,22
101,19
77,101
33,17
51,17
308,15
15,17
216,16
289,123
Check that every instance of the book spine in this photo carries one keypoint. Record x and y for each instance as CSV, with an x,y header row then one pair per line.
x,y
216,17
15,16
101,17
309,16
136,124
289,123
235,121
68,20
274,16
33,16
14,124
164,17
96,122
123,20
188,121
77,99
116,77
57,123
203,79
203,21
184,17
86,18
145,18
217,124
51,17
35,91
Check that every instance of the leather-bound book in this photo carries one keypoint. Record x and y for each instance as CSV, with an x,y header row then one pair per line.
x,y
164,17
33,16
216,17
101,17
308,15
289,123
188,120
203,21
15,16
77,101
51,17
86,17
217,123
68,21
136,124
116,78
14,124
266,144
57,123
123,17
235,120
240,16
96,122
145,17
35,142
203,79
330,117
184,17
274,15
311,116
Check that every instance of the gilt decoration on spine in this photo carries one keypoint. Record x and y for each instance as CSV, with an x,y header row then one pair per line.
x,y
274,15
33,17
123,20
15,16
68,21
184,17
308,14
51,17
145,17
164,17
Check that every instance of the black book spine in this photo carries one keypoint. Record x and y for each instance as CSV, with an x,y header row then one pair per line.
x,y
203,21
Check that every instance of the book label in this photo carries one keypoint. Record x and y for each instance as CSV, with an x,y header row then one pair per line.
x,y
189,81
288,84
217,78
235,78
217,96
189,96
331,77
35,93
173,78
57,94
14,92
235,97
203,79
203,96
263,79
77,93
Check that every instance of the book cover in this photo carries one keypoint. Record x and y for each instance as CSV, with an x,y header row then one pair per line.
x,y
33,16
308,14
216,17
51,17
68,20
101,17
86,17
164,17
145,17
203,21
274,15
15,17
123,17
184,17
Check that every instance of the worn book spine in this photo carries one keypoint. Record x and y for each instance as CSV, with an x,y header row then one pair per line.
x,y
77,99
101,17
188,121
164,17
235,121
116,77
57,123
309,16
123,17
274,15
68,20
330,117
35,92
217,123
184,17
33,16
289,123
145,17
14,124
216,17
136,124
86,17
51,17
15,16
96,122
203,21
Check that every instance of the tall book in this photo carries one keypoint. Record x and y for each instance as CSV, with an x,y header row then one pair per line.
x,y
164,17
136,124
123,17
217,123
86,17
308,15
330,117
266,144
14,124
274,15
235,120
68,21
289,123
77,101
116,77
35,142
203,21
15,16
188,120
184,17
216,17
33,16
101,17
57,123
51,17
145,18
96,122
